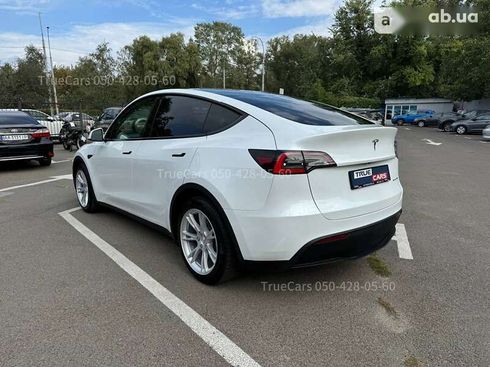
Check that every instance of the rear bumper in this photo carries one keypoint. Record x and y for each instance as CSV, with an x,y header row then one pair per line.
x,y
284,235
26,151
341,246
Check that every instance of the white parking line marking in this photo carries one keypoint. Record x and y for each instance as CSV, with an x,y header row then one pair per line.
x,y
401,238
63,161
231,352
407,128
484,142
52,179
430,142
467,137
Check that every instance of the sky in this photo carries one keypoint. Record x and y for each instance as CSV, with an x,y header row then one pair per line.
x,y
77,27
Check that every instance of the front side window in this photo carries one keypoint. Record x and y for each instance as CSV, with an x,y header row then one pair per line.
x,y
180,116
134,122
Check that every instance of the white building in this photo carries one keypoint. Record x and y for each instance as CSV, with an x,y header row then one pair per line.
x,y
401,106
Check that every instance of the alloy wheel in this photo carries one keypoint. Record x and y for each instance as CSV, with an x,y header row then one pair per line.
x,y
81,186
198,241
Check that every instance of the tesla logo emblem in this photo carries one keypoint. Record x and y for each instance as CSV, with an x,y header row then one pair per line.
x,y
375,141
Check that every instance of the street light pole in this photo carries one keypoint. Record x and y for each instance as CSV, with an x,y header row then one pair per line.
x,y
53,81
46,68
263,62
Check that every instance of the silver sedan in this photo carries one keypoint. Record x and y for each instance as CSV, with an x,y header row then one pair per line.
x,y
475,125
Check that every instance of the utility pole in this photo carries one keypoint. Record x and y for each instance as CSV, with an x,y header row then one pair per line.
x,y
46,67
53,81
224,76
263,62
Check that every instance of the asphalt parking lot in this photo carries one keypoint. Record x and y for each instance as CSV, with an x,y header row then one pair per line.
x,y
64,302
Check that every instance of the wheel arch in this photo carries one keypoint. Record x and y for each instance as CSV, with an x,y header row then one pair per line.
x,y
186,192
77,161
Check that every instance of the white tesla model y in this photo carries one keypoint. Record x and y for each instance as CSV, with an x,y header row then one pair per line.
x,y
250,178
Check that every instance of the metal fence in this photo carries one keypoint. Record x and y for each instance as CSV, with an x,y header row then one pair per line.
x,y
67,112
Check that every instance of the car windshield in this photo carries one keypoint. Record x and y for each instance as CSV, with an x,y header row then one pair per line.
x,y
16,118
112,112
304,112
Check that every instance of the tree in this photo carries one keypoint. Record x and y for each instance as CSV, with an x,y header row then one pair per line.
x,y
220,45
30,79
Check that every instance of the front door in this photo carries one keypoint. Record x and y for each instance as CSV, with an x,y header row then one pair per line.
x,y
113,159
161,163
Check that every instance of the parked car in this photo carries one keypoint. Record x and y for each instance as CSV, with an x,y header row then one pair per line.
x,y
486,133
248,177
24,138
83,121
447,119
474,125
106,118
413,118
53,124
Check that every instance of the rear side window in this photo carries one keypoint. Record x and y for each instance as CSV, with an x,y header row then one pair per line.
x,y
17,119
179,116
219,118
304,112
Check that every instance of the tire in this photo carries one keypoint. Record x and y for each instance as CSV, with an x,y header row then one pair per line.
x,y
45,162
90,205
400,122
421,123
203,244
461,130
79,142
447,126
65,145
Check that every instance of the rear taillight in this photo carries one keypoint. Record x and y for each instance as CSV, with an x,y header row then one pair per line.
x,y
291,162
41,133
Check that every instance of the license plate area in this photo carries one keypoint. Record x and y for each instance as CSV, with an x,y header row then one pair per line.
x,y
14,138
369,177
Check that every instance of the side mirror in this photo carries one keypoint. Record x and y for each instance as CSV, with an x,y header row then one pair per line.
x,y
96,135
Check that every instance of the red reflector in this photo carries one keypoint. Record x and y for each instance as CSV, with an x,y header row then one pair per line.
x,y
334,238
50,154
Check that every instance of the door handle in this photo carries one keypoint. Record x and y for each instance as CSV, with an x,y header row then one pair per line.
x,y
128,152
178,155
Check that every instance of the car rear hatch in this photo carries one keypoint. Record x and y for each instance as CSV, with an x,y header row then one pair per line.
x,y
365,178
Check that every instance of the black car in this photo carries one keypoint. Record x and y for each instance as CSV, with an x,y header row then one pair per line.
x,y
105,120
23,138
446,120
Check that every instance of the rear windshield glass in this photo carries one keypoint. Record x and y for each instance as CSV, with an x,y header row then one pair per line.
x,y
304,112
19,118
